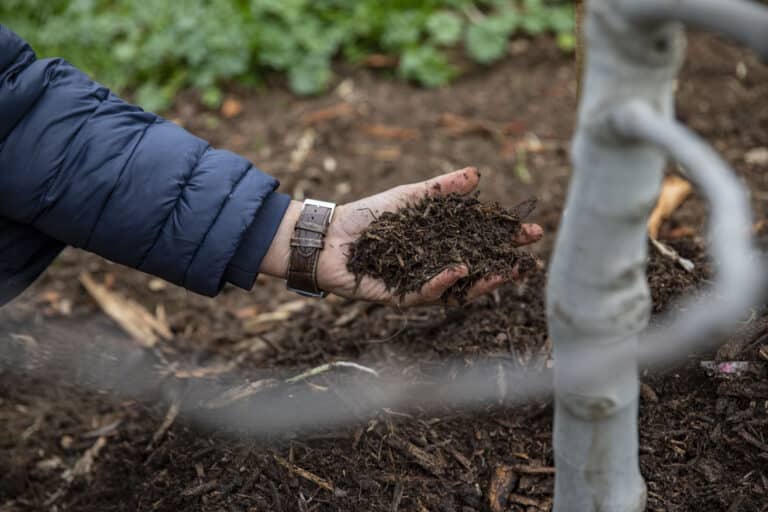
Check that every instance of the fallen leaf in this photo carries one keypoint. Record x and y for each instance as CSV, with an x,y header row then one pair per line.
x,y
341,110
231,108
674,191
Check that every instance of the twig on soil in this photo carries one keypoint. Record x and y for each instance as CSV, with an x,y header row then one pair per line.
x,y
306,475
432,463
170,417
533,470
239,392
672,254
139,323
84,464
327,367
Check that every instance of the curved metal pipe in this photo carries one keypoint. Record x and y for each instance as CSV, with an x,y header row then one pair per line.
x,y
740,274
743,21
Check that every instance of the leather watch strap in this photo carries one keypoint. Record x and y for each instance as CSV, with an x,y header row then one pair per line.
x,y
306,244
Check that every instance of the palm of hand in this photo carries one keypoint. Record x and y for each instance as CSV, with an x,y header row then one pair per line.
x,y
350,220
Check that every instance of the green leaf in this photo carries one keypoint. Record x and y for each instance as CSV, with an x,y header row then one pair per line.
x,y
426,65
566,41
486,40
152,97
211,97
445,28
310,75
402,29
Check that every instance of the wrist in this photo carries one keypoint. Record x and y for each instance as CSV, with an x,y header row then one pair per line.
x,y
275,262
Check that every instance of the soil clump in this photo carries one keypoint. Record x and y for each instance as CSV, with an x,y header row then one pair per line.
x,y
407,248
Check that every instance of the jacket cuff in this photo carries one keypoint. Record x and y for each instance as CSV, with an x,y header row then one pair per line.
x,y
244,266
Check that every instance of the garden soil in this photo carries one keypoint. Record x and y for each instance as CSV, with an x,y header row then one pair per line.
x,y
703,436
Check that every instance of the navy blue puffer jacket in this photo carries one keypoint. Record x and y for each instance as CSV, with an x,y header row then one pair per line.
x,y
81,167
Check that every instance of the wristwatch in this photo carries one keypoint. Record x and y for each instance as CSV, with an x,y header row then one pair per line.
x,y
306,244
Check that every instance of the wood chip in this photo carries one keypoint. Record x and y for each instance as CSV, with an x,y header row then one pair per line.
x,y
525,500
752,440
533,470
503,482
757,156
648,394
460,458
261,323
131,316
306,475
674,191
432,463
381,131
199,490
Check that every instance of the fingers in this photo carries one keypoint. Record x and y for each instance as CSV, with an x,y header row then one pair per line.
x,y
486,286
529,233
460,182
434,289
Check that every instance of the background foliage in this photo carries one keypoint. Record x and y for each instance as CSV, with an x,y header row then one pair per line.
x,y
155,47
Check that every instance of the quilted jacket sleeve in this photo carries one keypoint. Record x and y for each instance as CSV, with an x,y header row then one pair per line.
x,y
81,167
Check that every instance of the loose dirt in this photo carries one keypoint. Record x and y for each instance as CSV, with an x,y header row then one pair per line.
x,y
407,248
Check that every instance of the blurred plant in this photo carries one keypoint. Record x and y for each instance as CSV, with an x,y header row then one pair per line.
x,y
154,48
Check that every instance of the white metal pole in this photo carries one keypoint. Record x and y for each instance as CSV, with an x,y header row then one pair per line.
x,y
597,295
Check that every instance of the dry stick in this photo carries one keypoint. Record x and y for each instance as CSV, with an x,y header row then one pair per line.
x,y
84,464
139,323
199,490
170,417
674,191
306,475
533,470
327,367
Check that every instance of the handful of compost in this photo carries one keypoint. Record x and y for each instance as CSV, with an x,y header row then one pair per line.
x,y
407,248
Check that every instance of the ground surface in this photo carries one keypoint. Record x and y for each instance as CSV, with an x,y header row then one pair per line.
x,y
704,440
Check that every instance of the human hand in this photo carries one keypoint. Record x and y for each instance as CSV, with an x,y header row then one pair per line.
x,y
350,220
